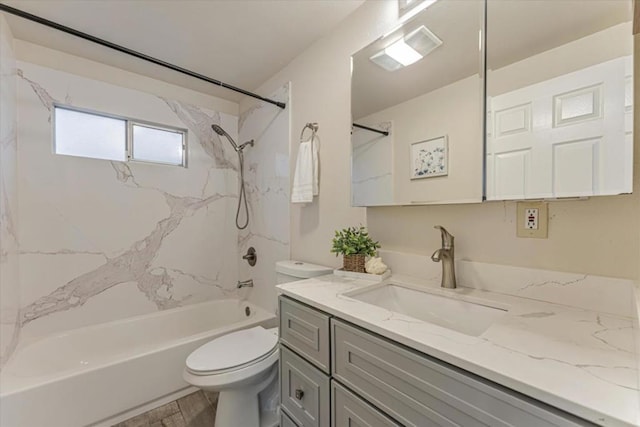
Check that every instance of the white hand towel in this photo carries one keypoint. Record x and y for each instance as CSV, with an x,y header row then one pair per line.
x,y
316,170
302,191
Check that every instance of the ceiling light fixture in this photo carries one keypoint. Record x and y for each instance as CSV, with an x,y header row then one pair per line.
x,y
422,40
403,53
407,50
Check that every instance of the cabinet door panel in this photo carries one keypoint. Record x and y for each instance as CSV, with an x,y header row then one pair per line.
x,y
306,331
418,390
285,421
348,410
304,391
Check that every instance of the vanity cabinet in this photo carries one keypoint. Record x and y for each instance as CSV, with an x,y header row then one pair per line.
x,y
304,391
286,421
372,381
305,356
306,331
347,409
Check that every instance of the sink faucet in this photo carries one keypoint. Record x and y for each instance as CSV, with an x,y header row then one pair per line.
x,y
445,254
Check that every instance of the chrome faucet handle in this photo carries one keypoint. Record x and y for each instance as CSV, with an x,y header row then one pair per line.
x,y
447,238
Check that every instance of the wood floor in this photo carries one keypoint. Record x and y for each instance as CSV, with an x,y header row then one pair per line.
x,y
194,410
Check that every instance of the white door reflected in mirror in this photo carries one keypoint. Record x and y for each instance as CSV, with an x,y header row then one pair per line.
x,y
559,102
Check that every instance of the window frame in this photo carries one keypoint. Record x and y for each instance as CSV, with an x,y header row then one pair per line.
x,y
155,126
129,140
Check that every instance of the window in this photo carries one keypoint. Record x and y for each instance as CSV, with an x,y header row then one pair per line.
x,y
90,135
100,136
151,144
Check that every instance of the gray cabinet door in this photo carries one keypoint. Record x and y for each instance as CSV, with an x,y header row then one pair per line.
x,y
418,390
306,331
348,410
285,421
304,391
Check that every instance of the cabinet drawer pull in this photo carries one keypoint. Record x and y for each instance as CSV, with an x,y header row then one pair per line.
x,y
299,394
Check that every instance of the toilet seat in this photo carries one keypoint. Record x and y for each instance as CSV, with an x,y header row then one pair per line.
x,y
239,366
257,362
233,352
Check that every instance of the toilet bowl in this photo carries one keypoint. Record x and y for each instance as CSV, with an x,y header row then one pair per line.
x,y
242,366
239,366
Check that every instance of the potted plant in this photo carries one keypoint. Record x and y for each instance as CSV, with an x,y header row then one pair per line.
x,y
354,243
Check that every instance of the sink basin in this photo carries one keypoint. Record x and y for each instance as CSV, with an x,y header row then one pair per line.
x,y
459,314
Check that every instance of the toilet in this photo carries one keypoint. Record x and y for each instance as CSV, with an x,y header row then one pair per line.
x,y
242,366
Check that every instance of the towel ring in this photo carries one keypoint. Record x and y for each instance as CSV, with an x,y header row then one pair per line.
x,y
314,129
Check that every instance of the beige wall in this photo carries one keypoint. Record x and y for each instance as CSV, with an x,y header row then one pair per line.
x,y
594,49
597,236
320,92
454,110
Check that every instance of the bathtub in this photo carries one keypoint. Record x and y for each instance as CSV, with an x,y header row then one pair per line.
x,y
105,373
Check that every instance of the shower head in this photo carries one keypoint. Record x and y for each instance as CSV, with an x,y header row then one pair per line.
x,y
243,145
217,129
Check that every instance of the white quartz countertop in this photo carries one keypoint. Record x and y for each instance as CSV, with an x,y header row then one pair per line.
x,y
581,361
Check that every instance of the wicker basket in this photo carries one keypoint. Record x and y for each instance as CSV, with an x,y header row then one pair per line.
x,y
353,263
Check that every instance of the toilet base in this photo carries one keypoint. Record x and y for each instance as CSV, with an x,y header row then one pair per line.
x,y
237,408
271,419
241,407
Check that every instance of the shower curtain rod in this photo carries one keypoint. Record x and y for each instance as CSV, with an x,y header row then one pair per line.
x,y
122,49
381,132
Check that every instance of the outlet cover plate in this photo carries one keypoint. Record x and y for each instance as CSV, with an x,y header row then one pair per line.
x,y
543,220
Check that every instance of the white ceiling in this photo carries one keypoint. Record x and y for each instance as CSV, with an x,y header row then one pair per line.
x,y
240,42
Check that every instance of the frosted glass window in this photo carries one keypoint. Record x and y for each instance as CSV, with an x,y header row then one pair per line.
x,y
90,135
157,145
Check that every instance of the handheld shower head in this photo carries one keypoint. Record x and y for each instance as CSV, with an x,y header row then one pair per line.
x,y
242,195
217,129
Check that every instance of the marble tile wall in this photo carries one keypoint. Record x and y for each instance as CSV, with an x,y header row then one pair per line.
x,y
9,281
103,240
267,187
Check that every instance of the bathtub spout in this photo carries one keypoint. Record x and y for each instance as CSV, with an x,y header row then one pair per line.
x,y
245,283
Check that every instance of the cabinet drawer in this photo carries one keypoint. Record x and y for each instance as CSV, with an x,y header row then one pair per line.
x,y
306,331
304,391
285,421
347,409
418,390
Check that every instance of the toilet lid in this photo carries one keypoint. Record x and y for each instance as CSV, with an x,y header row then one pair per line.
x,y
232,350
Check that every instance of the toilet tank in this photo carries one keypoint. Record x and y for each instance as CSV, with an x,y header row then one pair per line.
x,y
290,271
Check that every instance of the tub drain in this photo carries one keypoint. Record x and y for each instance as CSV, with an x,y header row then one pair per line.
x,y
247,311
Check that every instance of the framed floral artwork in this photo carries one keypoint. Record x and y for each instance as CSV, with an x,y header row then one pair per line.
x,y
430,158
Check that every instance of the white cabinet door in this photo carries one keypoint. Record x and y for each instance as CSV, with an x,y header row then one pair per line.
x,y
569,136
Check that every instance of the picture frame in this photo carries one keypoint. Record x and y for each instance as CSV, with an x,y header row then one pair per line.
x,y
429,158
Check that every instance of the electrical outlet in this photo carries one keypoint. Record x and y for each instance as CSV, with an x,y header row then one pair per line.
x,y
532,219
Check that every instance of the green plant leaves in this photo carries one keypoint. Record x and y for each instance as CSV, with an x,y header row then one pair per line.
x,y
354,240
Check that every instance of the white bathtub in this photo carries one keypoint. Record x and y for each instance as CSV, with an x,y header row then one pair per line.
x,y
94,374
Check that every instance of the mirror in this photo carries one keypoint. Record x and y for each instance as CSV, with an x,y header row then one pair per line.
x,y
559,98
417,107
